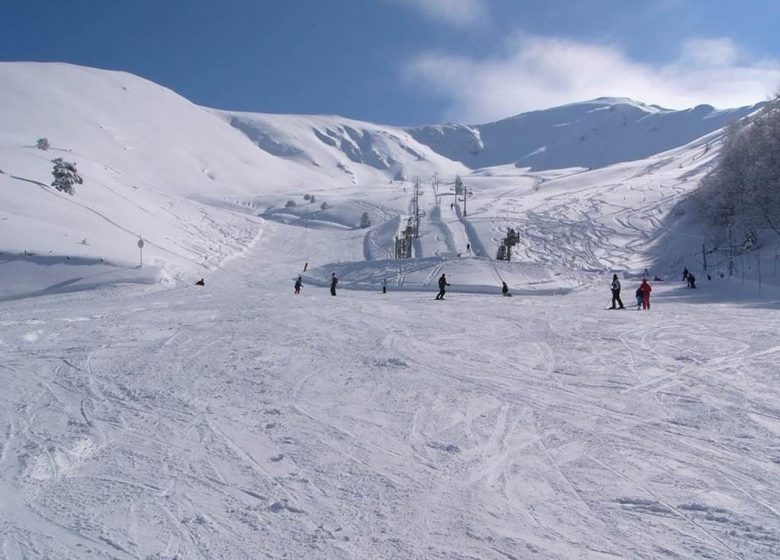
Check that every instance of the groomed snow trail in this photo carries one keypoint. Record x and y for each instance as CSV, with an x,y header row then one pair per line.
x,y
239,421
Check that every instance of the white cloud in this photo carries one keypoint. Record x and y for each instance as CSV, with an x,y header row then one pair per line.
x,y
537,72
453,12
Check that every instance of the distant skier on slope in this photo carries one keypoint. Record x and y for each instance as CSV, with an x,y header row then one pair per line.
x,y
685,274
505,289
442,287
298,284
691,280
384,285
646,289
615,287
640,296
333,282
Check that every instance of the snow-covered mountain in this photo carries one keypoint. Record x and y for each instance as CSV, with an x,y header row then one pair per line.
x,y
590,134
192,181
337,146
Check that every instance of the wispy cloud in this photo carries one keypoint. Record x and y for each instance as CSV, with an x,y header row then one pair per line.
x,y
452,12
536,72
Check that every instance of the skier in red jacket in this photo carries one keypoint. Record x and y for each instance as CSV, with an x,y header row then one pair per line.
x,y
646,289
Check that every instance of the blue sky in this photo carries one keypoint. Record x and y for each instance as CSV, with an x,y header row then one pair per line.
x,y
414,61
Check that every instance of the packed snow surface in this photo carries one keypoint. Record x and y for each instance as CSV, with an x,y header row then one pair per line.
x,y
239,421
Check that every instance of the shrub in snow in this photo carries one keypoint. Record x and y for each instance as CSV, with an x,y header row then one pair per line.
x,y
312,199
324,206
307,197
743,189
65,176
289,204
43,144
365,221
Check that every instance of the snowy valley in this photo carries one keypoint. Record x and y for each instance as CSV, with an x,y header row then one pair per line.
x,y
142,417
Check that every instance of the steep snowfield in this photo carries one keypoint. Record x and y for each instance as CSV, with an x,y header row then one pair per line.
x,y
338,147
149,159
589,134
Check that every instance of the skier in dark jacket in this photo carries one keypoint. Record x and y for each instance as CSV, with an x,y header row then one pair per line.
x,y
298,284
615,287
691,280
333,282
504,289
685,274
442,287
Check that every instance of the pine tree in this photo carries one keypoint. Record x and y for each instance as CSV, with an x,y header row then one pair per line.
x,y
43,144
65,176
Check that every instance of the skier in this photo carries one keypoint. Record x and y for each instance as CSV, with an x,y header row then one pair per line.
x,y
504,289
333,282
615,287
442,287
685,274
200,282
646,289
691,280
384,285
646,275
640,297
298,284
468,247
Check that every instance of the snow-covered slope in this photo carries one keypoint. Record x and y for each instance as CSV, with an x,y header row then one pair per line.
x,y
236,420
192,181
131,127
590,134
153,165
337,146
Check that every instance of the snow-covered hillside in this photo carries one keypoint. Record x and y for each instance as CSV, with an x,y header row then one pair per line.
x,y
197,184
590,134
336,146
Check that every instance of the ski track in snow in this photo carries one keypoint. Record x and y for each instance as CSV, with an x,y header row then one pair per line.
x,y
233,422
238,421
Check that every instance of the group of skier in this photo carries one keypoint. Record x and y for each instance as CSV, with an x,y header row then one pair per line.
x,y
644,289
642,294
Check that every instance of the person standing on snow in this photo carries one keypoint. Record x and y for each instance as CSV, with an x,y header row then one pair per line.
x,y
298,284
442,287
685,274
333,282
646,289
384,285
504,289
640,296
615,287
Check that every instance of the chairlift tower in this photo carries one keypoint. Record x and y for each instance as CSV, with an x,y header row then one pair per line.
x,y
416,207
